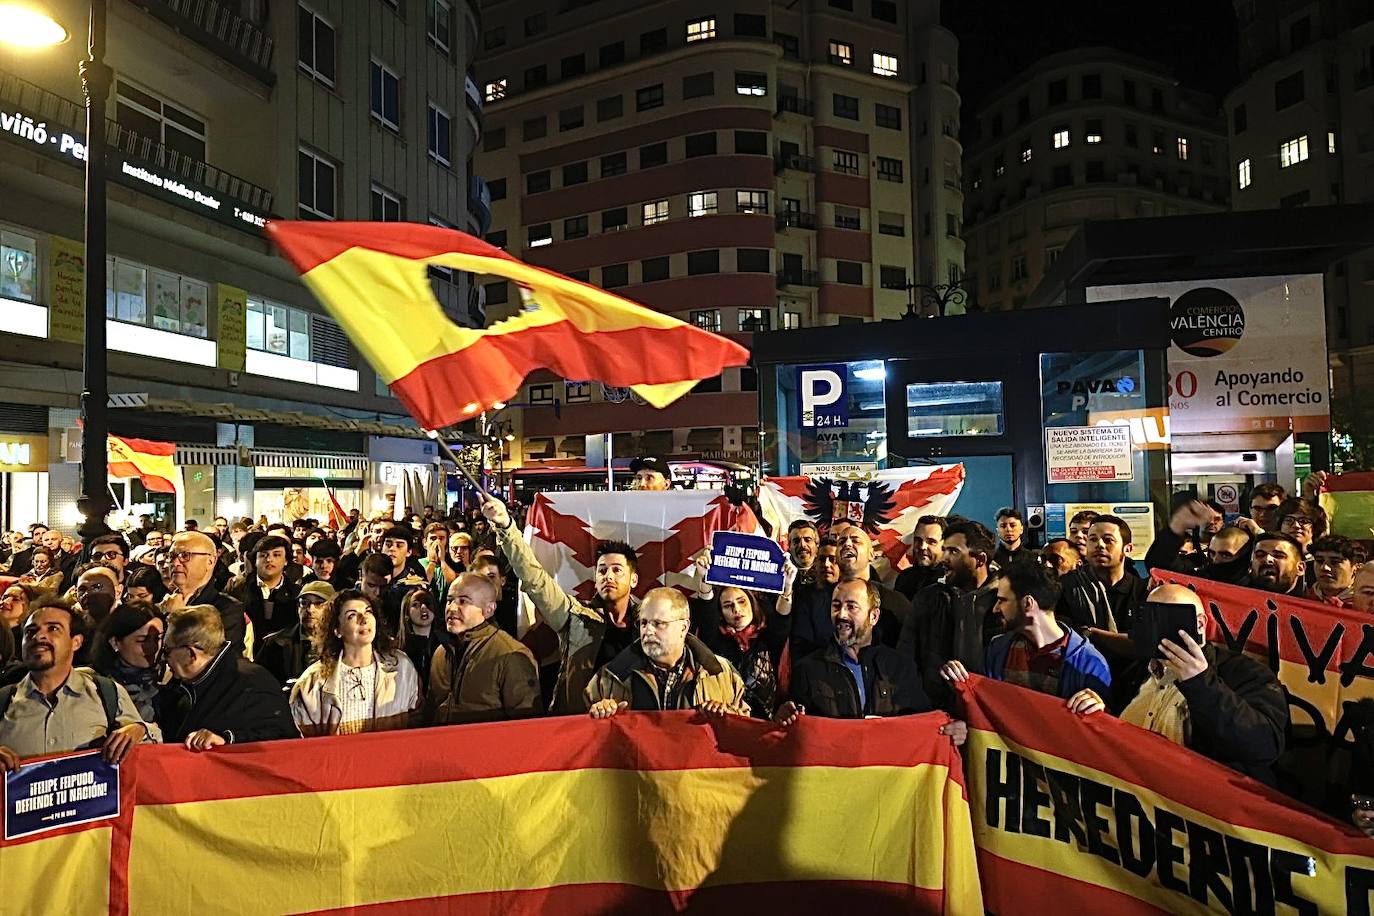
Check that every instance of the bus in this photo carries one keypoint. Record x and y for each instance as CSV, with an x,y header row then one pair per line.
x,y
704,474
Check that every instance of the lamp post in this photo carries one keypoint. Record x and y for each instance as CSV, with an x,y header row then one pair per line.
x,y
935,300
30,25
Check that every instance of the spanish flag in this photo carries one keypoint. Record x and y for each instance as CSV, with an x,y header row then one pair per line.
x,y
372,277
154,463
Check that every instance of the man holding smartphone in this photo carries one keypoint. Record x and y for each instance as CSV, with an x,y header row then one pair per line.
x,y
1219,703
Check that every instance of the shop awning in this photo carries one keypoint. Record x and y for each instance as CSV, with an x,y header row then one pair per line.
x,y
234,413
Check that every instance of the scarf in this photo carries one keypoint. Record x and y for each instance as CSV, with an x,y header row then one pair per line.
x,y
131,677
743,638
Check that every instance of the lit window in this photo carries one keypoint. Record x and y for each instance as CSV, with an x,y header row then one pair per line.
x,y
751,83
707,319
1092,137
1061,138
1243,174
842,53
701,29
1291,152
884,64
702,203
294,333
755,319
1331,142
495,90
540,235
751,201
1026,154
655,211
1183,149
791,321
18,266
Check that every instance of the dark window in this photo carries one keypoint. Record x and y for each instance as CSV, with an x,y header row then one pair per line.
x,y
575,227
535,182
613,275
1023,109
570,118
701,145
653,42
791,46
536,76
751,25
851,272
497,238
884,10
1128,91
889,116
612,54
539,234
536,24
572,65
1063,176
584,275
1092,85
1096,170
496,293
574,173
1288,91
842,4
1059,91
1132,137
892,277
1295,200
612,220
748,375
652,269
652,155
610,107
494,140
889,169
613,164
316,45
1157,98
698,85
753,261
494,38
497,188
1299,33
534,128
1239,120
703,262
712,384
751,142
649,97
846,106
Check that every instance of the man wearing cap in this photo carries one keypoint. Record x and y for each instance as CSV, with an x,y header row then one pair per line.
x,y
651,473
286,653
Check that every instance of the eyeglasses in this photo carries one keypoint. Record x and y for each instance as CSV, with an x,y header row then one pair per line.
x,y
184,556
310,601
659,625
106,555
168,650
1298,521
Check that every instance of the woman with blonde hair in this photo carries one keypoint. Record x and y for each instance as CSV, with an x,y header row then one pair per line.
x,y
361,683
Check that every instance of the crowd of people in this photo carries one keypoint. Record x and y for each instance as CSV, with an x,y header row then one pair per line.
x,y
254,631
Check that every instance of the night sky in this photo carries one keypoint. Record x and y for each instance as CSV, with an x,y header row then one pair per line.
x,y
997,38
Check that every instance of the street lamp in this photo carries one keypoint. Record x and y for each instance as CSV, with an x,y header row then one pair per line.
x,y
30,25
935,300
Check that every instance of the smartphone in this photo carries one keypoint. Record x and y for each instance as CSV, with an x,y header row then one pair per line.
x,y
1158,620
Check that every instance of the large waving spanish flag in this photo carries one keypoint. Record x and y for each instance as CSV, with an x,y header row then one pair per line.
x,y
372,277
154,463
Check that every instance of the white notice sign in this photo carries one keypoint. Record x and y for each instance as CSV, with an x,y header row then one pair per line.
x,y
1088,454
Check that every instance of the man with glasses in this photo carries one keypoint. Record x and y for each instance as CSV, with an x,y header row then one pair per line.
x,y
215,697
57,707
667,668
113,551
97,591
287,653
1264,503
191,562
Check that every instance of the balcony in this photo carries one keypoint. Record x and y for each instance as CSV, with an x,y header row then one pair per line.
x,y
798,278
791,104
479,202
473,98
216,26
795,218
794,162
60,112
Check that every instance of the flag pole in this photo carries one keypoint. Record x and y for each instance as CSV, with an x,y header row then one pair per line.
x,y
449,454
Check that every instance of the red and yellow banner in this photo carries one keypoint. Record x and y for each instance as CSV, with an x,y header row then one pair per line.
x,y
373,278
640,813
1094,815
154,463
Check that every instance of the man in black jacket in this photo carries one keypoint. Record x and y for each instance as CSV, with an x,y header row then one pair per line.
x,y
1221,704
216,697
853,676
1227,556
192,561
927,557
1105,593
1277,565
269,598
811,603
287,653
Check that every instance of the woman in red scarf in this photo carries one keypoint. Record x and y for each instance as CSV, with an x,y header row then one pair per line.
x,y
742,626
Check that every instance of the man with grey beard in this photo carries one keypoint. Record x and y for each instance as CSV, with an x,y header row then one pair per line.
x,y
668,668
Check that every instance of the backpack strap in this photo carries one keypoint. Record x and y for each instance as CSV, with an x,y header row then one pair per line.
x,y
109,699
6,695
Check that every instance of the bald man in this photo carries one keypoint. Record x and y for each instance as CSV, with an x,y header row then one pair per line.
x,y
1362,588
192,564
1221,704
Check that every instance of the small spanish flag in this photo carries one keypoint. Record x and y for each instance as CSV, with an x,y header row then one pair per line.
x,y
154,463
373,278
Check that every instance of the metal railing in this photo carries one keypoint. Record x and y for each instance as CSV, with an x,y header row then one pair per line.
x,y
797,218
795,162
220,28
799,278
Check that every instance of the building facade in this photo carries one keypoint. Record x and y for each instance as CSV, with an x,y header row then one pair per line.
x,y
222,117
747,166
1300,135
1091,134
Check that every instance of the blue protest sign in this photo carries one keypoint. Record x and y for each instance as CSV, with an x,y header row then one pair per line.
x,y
821,398
746,561
58,793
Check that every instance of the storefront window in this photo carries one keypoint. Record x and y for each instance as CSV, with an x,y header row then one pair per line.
x,y
18,266
285,331
135,294
828,414
935,409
